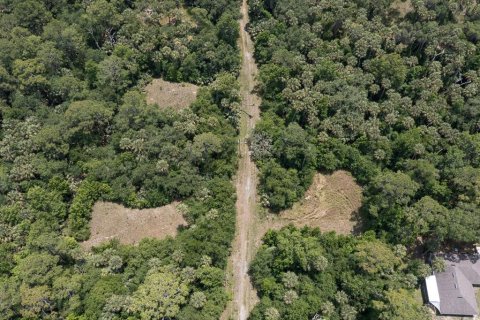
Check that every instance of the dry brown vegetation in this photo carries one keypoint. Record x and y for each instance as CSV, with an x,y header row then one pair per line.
x,y
129,226
170,94
331,204
403,7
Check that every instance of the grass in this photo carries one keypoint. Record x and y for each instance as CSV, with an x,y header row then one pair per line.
x,y
170,94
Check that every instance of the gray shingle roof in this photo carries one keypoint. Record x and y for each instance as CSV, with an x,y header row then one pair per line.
x,y
457,296
470,268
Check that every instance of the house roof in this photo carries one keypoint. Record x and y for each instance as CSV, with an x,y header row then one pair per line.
x,y
470,268
432,291
456,293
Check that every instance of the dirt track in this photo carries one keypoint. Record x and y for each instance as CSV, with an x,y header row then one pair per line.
x,y
244,297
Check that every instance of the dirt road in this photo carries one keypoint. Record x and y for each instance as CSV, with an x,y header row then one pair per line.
x,y
244,296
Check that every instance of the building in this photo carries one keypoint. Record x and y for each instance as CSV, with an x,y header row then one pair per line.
x,y
452,292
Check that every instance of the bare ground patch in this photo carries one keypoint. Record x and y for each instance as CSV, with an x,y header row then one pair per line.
x,y
170,94
129,226
331,204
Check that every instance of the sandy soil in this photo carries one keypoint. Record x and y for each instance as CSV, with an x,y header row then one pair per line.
x,y
331,204
129,226
244,296
169,94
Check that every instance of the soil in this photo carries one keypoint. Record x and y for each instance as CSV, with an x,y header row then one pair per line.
x,y
239,285
331,204
129,226
170,94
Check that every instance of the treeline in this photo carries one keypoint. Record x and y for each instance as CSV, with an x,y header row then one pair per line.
x,y
390,95
75,128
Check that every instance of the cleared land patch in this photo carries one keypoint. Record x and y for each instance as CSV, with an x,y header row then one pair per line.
x,y
170,94
129,226
331,204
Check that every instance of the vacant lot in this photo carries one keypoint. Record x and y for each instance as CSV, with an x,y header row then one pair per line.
x,y
169,94
331,204
129,226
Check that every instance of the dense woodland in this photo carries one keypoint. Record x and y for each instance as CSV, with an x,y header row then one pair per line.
x,y
390,95
300,274
75,128
392,98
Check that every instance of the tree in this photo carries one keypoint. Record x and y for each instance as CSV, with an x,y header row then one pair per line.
x,y
228,29
272,314
290,296
260,144
44,202
31,14
294,149
37,269
390,193
281,186
51,142
36,300
114,75
400,304
87,121
67,38
31,75
198,299
290,280
272,80
51,57
205,147
101,21
429,218
100,289
389,66
160,296
225,94
9,297
375,257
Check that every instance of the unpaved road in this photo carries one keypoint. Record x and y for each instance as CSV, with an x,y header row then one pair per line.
x,y
244,296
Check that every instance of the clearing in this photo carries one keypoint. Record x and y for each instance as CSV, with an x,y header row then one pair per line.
x,y
129,226
170,94
331,204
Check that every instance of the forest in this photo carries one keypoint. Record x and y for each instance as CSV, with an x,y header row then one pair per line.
x,y
387,90
76,128
392,98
